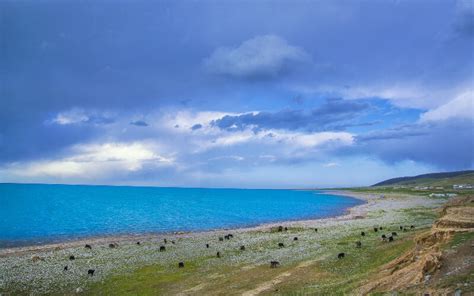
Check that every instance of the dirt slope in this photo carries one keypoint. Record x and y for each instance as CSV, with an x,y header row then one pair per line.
x,y
424,268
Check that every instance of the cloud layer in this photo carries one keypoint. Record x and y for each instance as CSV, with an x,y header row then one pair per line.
x,y
198,95
265,56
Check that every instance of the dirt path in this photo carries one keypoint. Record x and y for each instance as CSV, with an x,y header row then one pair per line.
x,y
268,285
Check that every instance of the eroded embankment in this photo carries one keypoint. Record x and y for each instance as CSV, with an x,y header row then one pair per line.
x,y
441,261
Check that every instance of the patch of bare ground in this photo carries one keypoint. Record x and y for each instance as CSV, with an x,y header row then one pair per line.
x,y
273,283
430,267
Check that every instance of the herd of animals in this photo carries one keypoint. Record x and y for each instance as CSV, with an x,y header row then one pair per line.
x,y
273,264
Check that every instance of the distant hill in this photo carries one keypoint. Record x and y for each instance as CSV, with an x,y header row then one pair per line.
x,y
439,179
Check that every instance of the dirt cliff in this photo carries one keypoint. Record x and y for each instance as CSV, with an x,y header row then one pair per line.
x,y
434,266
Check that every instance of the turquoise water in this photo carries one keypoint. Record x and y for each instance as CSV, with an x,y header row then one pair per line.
x,y
34,213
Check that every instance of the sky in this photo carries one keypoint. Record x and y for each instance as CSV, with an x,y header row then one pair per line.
x,y
247,94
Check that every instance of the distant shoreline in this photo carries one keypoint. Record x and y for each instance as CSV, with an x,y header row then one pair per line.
x,y
20,246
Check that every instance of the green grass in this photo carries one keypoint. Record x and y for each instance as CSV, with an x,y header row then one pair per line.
x,y
344,275
446,183
461,279
421,214
459,239
328,275
144,281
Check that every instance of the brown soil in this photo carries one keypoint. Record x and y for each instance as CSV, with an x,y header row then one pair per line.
x,y
424,268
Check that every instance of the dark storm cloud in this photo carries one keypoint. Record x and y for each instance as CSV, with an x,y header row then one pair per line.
x,y
321,118
139,123
445,144
399,132
262,57
136,57
464,22
196,126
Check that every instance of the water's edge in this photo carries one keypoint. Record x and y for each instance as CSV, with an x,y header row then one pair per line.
x,y
72,239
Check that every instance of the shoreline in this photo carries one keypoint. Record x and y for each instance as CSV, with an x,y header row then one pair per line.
x,y
355,212
39,269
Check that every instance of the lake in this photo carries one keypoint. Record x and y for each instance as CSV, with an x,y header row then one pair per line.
x,y
39,213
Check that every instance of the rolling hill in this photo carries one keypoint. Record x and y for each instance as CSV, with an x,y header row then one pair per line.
x,y
433,179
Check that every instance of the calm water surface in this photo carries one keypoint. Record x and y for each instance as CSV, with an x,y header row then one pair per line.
x,y
31,213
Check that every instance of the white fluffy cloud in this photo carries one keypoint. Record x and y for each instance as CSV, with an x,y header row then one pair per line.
x,y
262,56
331,165
93,161
170,143
210,136
460,107
81,116
401,94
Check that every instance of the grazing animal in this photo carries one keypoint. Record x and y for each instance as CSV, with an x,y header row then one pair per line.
x,y
226,237
384,237
401,227
221,239
315,230
286,228
280,228
162,248
376,229
274,264
390,239
165,241
91,272
281,245
180,264
88,247
412,227
380,228
173,242
112,246
65,268
218,255
242,248
341,255
207,246
358,244
394,234
362,233
72,257
138,243
230,235
295,238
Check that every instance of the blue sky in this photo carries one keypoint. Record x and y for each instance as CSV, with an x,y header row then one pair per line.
x,y
266,94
